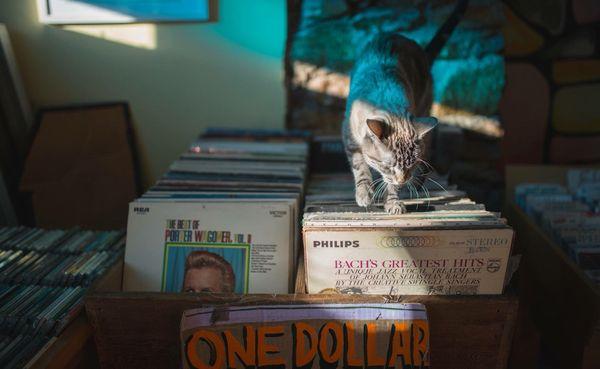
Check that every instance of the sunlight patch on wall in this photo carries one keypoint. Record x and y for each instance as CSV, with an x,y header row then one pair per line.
x,y
482,124
321,80
142,36
328,85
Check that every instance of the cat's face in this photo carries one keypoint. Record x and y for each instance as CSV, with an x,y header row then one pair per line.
x,y
393,147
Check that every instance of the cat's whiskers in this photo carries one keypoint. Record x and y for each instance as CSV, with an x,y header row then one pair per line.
x,y
382,191
411,188
377,181
423,171
385,191
375,190
426,164
439,185
374,184
407,184
417,193
426,191
378,190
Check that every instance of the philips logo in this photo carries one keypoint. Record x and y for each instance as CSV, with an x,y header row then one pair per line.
x,y
139,210
338,244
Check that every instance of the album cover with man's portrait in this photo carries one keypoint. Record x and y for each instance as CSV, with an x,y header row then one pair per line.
x,y
202,245
206,267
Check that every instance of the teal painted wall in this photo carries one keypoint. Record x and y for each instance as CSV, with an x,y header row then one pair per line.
x,y
178,78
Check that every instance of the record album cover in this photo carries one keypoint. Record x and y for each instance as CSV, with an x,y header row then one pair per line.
x,y
199,246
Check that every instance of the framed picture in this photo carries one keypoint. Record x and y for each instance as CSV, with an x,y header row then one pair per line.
x,y
121,11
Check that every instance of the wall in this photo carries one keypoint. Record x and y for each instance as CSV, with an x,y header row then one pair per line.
x,y
178,78
553,82
468,73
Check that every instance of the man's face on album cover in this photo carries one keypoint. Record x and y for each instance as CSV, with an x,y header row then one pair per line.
x,y
204,279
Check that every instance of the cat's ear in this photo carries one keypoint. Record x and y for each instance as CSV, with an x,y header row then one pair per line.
x,y
377,127
424,125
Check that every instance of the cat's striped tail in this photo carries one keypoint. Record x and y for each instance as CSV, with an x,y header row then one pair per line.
x,y
443,34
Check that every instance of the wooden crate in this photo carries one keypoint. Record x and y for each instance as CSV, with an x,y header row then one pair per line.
x,y
562,302
139,330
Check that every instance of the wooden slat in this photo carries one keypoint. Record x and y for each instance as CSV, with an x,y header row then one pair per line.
x,y
65,348
591,352
140,330
300,286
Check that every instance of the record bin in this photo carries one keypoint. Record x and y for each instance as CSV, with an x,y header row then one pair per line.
x,y
563,303
74,347
135,330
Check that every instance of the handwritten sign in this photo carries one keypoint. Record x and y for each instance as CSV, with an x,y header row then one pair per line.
x,y
306,336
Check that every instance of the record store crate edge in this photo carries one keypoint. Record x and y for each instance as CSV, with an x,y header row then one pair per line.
x,y
141,329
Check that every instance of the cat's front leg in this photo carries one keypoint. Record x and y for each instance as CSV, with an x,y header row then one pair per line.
x,y
362,179
392,204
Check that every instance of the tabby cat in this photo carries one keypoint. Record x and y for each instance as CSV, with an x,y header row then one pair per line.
x,y
386,125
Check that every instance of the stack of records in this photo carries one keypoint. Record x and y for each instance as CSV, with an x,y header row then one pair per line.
x,y
444,244
224,218
568,214
43,278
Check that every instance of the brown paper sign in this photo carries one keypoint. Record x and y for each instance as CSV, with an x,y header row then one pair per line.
x,y
306,336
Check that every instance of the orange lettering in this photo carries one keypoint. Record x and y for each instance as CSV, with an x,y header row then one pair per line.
x,y
216,350
264,349
400,344
304,335
352,358
246,353
420,336
371,337
333,330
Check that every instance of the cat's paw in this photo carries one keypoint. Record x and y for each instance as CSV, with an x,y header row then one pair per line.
x,y
364,195
394,207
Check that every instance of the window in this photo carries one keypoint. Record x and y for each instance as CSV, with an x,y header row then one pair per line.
x,y
121,11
